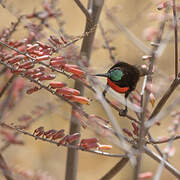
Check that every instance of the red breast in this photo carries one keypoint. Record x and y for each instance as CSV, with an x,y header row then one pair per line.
x,y
116,87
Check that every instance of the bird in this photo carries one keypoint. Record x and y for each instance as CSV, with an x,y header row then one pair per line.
x,y
122,78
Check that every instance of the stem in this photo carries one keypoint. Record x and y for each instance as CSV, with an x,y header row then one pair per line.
x,y
175,38
142,133
164,99
83,9
72,156
159,159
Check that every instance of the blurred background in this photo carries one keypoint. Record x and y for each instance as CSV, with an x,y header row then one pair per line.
x,y
43,158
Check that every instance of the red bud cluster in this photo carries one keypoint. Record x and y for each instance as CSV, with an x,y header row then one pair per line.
x,y
71,94
54,135
89,143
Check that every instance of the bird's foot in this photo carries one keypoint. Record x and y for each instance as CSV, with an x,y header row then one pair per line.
x,y
104,94
123,112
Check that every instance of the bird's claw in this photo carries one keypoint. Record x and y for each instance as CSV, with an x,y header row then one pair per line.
x,y
123,112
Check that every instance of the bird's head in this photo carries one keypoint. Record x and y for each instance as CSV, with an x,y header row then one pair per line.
x,y
113,74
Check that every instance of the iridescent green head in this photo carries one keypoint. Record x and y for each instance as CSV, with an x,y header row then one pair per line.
x,y
114,74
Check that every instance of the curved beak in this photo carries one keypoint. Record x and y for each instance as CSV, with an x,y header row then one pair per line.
x,y
103,75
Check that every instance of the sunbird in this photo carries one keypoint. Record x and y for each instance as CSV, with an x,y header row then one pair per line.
x,y
121,77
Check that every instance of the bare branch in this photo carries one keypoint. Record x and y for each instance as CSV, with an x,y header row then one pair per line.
x,y
128,33
176,38
3,166
110,174
86,47
164,140
84,10
141,134
153,118
7,85
167,165
107,45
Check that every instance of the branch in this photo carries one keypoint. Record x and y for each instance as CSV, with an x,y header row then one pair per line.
x,y
164,140
110,174
7,85
141,134
84,10
165,156
64,145
176,38
5,103
163,100
159,159
3,166
72,158
155,145
138,43
107,45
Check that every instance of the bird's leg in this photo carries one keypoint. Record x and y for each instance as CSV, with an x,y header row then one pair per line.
x,y
124,111
105,90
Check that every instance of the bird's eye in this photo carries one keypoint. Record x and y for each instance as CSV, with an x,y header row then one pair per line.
x,y
116,75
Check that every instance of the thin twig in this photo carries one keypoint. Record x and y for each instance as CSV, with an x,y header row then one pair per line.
x,y
5,170
155,145
107,45
163,100
3,70
26,126
128,33
163,140
7,85
84,10
153,57
5,103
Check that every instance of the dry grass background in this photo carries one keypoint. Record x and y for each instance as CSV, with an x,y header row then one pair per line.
x,y
36,155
